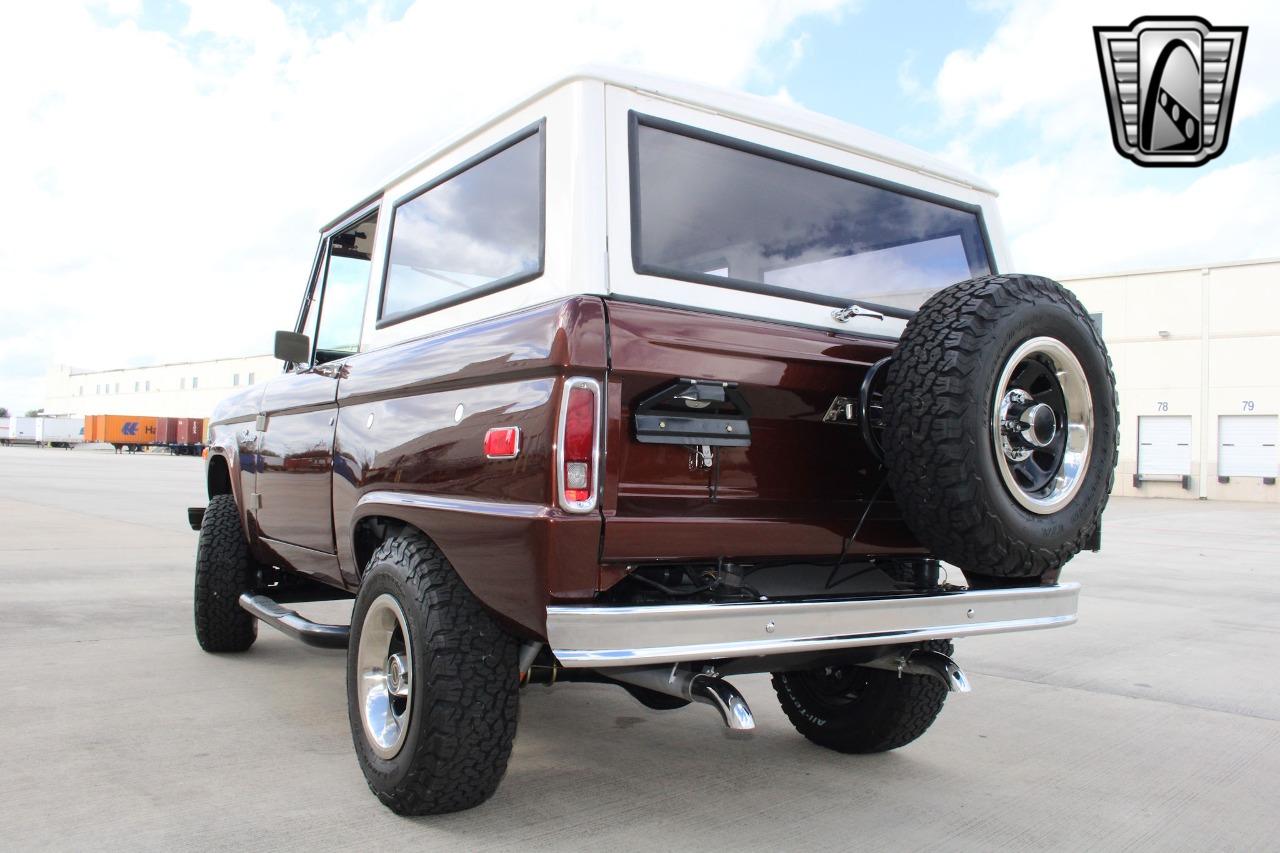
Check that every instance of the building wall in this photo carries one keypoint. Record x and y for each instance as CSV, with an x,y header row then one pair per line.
x,y
1202,342
181,390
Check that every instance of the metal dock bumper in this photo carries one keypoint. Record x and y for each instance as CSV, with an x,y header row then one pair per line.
x,y
601,636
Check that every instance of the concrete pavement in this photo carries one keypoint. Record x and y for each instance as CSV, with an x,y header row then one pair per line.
x,y
1153,724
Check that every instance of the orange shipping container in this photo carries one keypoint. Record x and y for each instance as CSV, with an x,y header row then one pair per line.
x,y
128,429
95,428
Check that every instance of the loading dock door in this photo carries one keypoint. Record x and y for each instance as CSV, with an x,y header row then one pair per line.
x,y
1164,446
1247,445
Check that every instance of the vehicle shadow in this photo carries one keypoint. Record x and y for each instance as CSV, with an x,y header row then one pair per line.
x,y
591,767
611,767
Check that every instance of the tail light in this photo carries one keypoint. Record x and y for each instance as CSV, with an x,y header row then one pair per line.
x,y
578,445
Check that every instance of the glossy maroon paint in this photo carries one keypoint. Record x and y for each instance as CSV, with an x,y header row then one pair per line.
x,y
233,447
800,487
412,420
294,460
398,434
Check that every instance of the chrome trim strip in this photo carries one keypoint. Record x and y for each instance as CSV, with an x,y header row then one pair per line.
x,y
416,500
598,636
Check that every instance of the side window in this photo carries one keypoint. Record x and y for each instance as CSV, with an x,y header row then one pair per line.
x,y
342,297
473,231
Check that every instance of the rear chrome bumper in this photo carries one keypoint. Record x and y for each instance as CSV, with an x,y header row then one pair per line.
x,y
600,636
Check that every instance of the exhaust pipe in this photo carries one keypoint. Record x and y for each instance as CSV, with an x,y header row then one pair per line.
x,y
693,687
928,663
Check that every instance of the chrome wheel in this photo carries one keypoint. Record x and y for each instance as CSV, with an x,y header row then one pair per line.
x,y
1042,425
384,674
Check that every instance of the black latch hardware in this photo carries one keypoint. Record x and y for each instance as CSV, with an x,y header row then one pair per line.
x,y
695,412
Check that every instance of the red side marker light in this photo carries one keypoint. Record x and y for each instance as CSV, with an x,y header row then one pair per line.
x,y
502,443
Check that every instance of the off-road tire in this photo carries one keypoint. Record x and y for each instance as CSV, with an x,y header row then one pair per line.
x,y
938,449
888,712
224,570
465,683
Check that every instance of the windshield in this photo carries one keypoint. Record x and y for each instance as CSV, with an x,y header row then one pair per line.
x,y
763,221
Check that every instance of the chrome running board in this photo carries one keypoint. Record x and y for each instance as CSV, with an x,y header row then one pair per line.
x,y
294,624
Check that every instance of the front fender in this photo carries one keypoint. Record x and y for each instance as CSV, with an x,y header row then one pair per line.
x,y
225,445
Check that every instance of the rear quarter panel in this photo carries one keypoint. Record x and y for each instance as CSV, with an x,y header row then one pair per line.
x,y
409,445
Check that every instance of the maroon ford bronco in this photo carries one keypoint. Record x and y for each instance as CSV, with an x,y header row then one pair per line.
x,y
648,385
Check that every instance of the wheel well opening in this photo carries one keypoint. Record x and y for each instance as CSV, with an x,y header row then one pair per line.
x,y
219,476
370,532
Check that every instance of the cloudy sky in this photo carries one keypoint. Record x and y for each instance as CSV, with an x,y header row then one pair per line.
x,y
165,165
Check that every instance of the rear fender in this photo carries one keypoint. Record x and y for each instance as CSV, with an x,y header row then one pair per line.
x,y
409,446
501,551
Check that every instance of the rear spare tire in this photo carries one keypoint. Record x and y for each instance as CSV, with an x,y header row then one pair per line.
x,y
1000,427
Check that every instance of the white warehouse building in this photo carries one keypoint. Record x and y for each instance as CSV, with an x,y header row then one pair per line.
x,y
1197,361
1196,353
180,390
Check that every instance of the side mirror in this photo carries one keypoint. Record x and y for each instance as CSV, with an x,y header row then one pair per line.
x,y
293,347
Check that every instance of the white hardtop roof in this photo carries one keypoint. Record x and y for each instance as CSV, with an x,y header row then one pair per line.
x,y
754,109
1205,267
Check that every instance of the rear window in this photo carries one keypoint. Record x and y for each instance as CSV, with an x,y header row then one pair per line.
x,y
473,231
718,211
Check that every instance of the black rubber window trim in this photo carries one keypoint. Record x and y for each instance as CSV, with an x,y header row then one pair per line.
x,y
538,129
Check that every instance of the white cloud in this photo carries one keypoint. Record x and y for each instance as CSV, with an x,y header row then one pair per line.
x,y
784,96
1078,206
908,83
163,190
1077,215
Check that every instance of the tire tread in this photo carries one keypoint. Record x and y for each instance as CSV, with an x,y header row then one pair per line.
x,y
224,569
902,709
928,456
471,706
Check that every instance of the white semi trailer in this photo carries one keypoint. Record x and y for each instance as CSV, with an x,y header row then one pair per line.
x,y
46,432
60,432
20,431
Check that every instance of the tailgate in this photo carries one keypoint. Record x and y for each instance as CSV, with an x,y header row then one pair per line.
x,y
800,487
